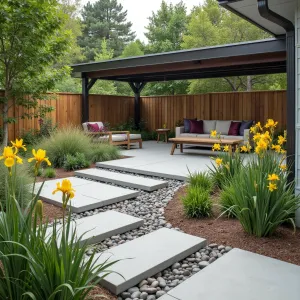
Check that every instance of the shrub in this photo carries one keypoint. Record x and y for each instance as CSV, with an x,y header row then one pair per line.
x,y
261,204
49,173
63,142
30,137
75,162
197,203
201,180
103,152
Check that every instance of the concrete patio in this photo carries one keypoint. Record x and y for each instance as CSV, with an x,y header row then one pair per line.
x,y
155,159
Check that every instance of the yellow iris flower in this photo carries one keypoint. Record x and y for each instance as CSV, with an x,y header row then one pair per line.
x,y
271,124
39,156
216,147
66,188
283,167
18,144
273,177
281,140
277,148
10,157
226,148
244,149
272,186
213,133
219,161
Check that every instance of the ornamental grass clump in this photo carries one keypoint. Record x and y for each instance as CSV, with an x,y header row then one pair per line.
x,y
39,261
201,180
197,203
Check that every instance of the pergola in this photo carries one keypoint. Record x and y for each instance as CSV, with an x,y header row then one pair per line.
x,y
248,58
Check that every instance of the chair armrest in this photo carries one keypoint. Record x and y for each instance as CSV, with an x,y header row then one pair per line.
x,y
247,135
179,131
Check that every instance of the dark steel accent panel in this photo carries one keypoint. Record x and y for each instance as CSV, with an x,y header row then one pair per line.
x,y
137,87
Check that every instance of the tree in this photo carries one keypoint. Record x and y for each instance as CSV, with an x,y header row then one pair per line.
x,y
212,25
105,19
164,33
32,38
133,49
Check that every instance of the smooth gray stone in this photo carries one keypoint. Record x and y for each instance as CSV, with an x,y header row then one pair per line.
x,y
97,228
150,254
137,182
249,276
88,194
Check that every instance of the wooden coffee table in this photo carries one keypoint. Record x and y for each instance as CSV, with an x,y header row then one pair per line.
x,y
232,143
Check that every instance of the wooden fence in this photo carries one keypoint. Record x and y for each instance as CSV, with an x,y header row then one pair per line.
x,y
157,110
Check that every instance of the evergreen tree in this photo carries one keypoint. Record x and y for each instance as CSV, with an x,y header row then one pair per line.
x,y
105,19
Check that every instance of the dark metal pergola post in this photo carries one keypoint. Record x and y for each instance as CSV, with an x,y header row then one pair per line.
x,y
137,87
86,86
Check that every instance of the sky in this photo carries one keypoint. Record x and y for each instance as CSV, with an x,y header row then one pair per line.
x,y
139,11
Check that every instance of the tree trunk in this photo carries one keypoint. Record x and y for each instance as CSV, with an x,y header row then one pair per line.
x,y
5,125
249,83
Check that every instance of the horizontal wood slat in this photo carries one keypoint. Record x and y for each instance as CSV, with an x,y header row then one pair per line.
x,y
159,110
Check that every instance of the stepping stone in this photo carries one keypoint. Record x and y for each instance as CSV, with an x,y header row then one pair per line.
x,y
132,181
241,275
97,228
145,256
88,194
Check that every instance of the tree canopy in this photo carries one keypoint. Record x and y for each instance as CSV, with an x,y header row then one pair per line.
x,y
105,19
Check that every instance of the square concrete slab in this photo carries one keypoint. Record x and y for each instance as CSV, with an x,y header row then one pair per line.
x,y
146,256
242,275
97,228
146,184
88,194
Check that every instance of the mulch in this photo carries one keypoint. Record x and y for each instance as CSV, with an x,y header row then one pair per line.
x,y
283,245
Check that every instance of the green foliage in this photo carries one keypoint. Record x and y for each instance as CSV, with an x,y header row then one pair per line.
x,y
23,180
226,200
105,19
259,210
33,38
104,152
49,173
46,127
201,180
230,166
197,203
75,162
63,142
133,49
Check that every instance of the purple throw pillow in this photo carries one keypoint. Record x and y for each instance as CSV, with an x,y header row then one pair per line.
x,y
187,125
196,126
93,127
245,125
234,128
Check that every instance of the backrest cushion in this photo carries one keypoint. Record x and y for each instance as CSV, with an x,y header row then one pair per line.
x,y
209,125
187,125
234,128
196,126
245,125
85,125
222,127
93,127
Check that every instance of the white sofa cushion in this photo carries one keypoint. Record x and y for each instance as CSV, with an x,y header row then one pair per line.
x,y
222,127
232,137
188,135
209,125
85,127
135,136
115,138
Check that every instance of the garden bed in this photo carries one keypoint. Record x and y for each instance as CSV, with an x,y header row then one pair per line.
x,y
283,245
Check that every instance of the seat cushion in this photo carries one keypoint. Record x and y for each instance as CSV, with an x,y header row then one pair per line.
x,y
204,136
188,135
209,125
135,136
222,127
115,138
232,137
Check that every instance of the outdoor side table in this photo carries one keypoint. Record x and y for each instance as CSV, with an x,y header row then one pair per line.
x,y
163,132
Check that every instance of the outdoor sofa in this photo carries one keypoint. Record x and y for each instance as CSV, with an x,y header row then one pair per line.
x,y
112,137
239,130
